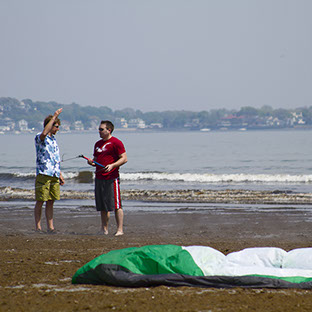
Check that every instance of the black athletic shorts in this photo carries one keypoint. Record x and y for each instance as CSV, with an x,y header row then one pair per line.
x,y
107,195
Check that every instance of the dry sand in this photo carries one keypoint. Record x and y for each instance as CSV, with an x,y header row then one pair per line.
x,y
36,269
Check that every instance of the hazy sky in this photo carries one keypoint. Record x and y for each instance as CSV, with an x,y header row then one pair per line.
x,y
158,54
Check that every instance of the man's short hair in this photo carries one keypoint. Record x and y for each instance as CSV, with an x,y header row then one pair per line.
x,y
109,125
48,118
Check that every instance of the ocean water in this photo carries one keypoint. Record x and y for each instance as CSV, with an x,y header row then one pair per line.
x,y
256,160
248,160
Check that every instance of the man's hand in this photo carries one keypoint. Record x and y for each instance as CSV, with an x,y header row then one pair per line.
x,y
62,181
109,167
90,162
57,113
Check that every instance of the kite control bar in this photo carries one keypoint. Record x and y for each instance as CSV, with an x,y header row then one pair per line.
x,y
92,161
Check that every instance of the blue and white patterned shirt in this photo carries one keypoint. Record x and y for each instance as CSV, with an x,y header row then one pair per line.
x,y
48,156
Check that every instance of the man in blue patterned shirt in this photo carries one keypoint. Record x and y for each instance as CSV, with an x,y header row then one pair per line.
x,y
48,173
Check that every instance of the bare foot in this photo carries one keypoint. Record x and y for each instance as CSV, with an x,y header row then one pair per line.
x,y
102,232
51,231
119,233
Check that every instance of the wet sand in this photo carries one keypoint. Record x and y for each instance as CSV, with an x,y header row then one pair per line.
x,y
36,269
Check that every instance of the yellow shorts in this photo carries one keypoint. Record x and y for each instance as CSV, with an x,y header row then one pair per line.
x,y
47,188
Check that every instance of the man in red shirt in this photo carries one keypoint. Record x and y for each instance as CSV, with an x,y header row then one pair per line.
x,y
111,154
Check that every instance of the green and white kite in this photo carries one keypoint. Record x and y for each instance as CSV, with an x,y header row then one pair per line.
x,y
199,266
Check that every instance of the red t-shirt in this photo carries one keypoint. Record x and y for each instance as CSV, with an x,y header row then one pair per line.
x,y
107,152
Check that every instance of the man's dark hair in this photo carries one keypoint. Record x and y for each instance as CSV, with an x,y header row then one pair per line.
x,y
48,118
109,125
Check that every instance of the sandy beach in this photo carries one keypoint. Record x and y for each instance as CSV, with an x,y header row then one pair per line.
x,y
36,269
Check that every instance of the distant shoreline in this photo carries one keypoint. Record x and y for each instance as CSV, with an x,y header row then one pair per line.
x,y
134,130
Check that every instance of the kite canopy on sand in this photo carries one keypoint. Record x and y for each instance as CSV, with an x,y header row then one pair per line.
x,y
199,266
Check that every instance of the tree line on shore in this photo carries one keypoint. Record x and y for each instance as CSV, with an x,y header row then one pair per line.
x,y
14,110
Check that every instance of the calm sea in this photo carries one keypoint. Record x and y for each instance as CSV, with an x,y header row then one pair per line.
x,y
256,160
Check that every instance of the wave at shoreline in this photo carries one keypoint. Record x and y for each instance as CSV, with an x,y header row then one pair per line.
x,y
191,196
217,178
88,177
